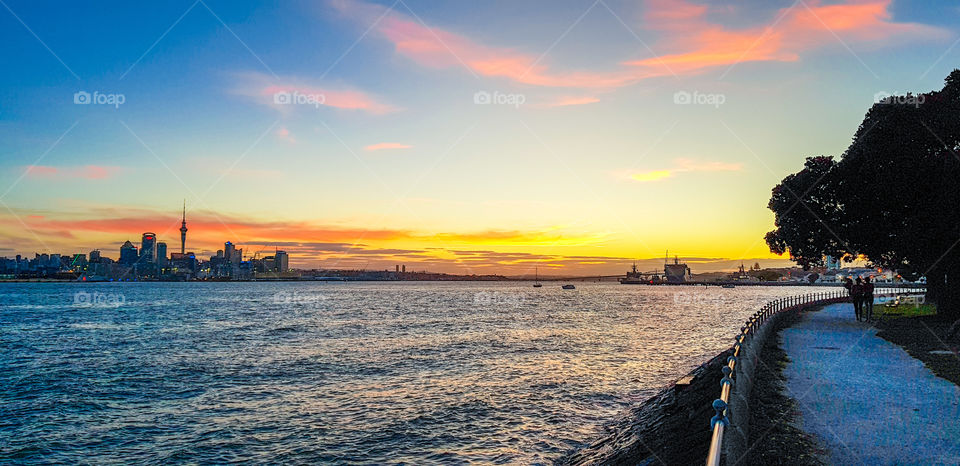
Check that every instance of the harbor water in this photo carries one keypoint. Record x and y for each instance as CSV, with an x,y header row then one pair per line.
x,y
358,373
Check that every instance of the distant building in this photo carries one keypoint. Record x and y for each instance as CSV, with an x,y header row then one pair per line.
x,y
148,248
228,251
832,263
282,261
267,264
184,265
404,269
94,256
162,254
78,262
233,257
128,254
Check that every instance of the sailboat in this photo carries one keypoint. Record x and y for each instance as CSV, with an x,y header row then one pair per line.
x,y
536,280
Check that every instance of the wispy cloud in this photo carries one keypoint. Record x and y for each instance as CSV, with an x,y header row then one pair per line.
x,y
284,134
290,94
695,43
438,48
305,241
386,146
569,101
684,166
86,172
652,175
689,42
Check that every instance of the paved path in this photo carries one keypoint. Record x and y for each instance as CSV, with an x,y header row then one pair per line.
x,y
865,399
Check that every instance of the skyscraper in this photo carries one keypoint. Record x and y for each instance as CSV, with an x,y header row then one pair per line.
x,y
162,254
128,253
183,229
148,248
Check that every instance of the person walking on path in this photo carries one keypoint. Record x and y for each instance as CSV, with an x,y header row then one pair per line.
x,y
848,284
867,302
856,295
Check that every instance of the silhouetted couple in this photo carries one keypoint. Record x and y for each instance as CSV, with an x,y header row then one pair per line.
x,y
861,293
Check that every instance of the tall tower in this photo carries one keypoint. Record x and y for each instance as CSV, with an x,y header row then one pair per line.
x,y
183,229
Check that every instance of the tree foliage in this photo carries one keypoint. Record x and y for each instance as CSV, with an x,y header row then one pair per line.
x,y
894,195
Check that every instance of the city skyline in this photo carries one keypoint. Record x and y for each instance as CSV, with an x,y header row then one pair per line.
x,y
364,134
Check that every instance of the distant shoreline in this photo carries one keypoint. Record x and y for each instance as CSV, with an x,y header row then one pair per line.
x,y
476,280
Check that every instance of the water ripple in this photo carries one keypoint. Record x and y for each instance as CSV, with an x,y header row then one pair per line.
x,y
344,373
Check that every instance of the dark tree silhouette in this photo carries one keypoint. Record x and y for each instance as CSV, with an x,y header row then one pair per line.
x,y
893,197
808,216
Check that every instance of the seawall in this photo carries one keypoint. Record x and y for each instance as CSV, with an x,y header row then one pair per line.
x,y
671,427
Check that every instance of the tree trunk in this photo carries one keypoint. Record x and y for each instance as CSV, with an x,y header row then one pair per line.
x,y
948,297
934,285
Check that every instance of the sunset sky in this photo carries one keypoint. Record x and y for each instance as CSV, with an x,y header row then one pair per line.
x,y
465,137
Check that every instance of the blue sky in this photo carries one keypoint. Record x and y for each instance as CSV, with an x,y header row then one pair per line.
x,y
599,165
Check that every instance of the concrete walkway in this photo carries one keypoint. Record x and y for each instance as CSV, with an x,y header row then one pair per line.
x,y
865,399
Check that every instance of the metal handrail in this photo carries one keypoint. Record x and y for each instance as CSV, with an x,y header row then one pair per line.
x,y
719,422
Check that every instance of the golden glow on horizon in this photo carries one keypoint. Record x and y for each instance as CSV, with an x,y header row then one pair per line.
x,y
310,245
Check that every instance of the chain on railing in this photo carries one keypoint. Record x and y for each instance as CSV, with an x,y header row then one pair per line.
x,y
720,421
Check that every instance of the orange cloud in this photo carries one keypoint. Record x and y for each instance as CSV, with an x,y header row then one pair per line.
x,y
311,245
702,44
692,42
86,172
208,232
42,171
437,48
387,145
